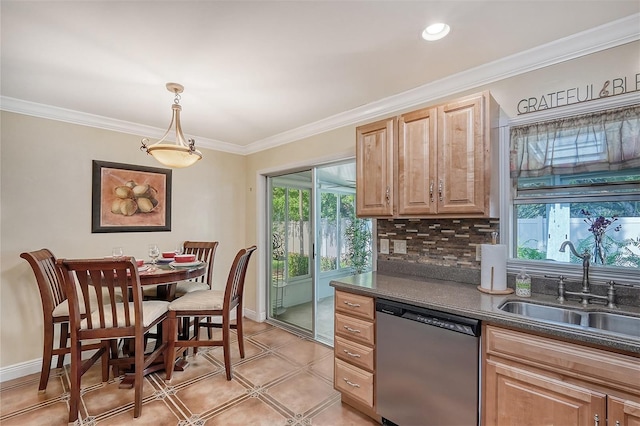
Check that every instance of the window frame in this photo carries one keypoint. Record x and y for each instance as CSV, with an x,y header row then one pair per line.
x,y
508,223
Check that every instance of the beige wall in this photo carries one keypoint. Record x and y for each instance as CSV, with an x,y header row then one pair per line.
x,y
46,202
45,198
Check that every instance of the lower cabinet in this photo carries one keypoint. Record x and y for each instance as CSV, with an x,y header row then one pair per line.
x,y
354,351
535,380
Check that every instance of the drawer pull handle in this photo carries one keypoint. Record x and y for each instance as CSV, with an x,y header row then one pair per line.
x,y
353,305
350,354
351,330
596,420
355,385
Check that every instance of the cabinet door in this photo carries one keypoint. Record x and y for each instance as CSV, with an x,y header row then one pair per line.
x,y
622,412
374,168
516,396
463,157
417,156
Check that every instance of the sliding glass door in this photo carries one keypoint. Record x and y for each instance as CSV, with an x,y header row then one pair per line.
x,y
315,237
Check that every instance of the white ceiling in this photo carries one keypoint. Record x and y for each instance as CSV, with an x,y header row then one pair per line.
x,y
260,73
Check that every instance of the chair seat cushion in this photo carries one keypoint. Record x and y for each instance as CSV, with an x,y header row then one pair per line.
x,y
185,287
198,301
151,311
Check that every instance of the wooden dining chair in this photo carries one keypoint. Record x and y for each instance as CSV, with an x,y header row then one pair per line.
x,y
109,319
55,310
209,303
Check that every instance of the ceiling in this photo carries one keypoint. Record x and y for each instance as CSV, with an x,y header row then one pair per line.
x,y
261,73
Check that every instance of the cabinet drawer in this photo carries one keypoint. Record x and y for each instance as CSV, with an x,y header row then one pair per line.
x,y
355,329
354,382
353,353
355,304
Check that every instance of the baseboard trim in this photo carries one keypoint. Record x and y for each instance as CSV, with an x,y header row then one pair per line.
x,y
21,369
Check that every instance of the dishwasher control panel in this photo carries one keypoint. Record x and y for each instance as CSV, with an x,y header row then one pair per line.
x,y
430,317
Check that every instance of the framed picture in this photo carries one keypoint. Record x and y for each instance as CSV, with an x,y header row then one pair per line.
x,y
129,198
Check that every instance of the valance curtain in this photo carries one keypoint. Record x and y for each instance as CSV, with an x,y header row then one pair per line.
x,y
603,141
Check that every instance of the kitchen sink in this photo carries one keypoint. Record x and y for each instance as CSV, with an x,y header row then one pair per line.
x,y
623,324
604,321
543,312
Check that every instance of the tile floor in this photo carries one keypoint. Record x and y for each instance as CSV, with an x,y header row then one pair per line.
x,y
284,379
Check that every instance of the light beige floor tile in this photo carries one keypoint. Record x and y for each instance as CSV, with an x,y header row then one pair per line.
x,y
251,411
250,350
23,392
208,394
302,392
264,369
50,415
343,415
154,413
109,396
324,367
304,352
282,380
198,365
276,338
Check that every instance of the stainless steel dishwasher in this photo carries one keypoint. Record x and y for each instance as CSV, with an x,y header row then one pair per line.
x,y
427,366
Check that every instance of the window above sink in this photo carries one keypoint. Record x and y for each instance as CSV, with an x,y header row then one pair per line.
x,y
577,179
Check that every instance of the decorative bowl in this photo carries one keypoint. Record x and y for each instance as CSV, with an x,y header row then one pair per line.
x,y
168,254
139,262
184,258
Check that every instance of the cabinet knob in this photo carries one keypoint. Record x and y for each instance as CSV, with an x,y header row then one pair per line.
x,y
440,189
596,420
388,196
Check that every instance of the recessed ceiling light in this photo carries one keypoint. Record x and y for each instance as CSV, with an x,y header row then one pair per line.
x,y
435,31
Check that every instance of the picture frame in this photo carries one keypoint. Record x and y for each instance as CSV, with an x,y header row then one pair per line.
x,y
130,198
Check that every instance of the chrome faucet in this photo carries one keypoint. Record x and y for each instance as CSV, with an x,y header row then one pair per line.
x,y
586,259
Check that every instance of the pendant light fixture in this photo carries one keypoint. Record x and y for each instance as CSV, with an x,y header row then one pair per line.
x,y
182,153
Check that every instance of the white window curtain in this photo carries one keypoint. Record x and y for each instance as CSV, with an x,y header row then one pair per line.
x,y
602,141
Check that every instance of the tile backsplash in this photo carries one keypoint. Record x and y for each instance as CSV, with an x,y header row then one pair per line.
x,y
443,242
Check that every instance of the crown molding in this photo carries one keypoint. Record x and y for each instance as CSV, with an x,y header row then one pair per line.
x,y
600,38
91,120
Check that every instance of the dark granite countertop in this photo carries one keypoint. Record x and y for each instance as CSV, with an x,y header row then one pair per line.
x,y
467,300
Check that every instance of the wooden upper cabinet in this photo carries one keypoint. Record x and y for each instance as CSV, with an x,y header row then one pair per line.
x,y
463,157
440,158
375,145
417,169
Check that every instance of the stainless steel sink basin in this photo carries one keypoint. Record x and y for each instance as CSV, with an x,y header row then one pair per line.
x,y
604,321
543,312
622,324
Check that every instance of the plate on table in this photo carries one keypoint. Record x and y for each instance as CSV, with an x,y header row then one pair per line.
x,y
162,260
143,268
175,264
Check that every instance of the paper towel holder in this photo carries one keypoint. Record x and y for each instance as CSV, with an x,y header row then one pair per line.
x,y
486,290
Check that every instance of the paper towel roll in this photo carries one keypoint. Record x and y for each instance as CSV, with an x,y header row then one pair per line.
x,y
493,267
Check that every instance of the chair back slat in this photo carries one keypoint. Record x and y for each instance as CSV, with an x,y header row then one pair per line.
x,y
235,282
49,281
204,251
99,282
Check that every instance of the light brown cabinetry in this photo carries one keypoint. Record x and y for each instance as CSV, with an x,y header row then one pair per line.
x,y
441,156
532,380
375,149
354,351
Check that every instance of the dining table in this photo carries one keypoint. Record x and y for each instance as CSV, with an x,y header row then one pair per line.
x,y
166,277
